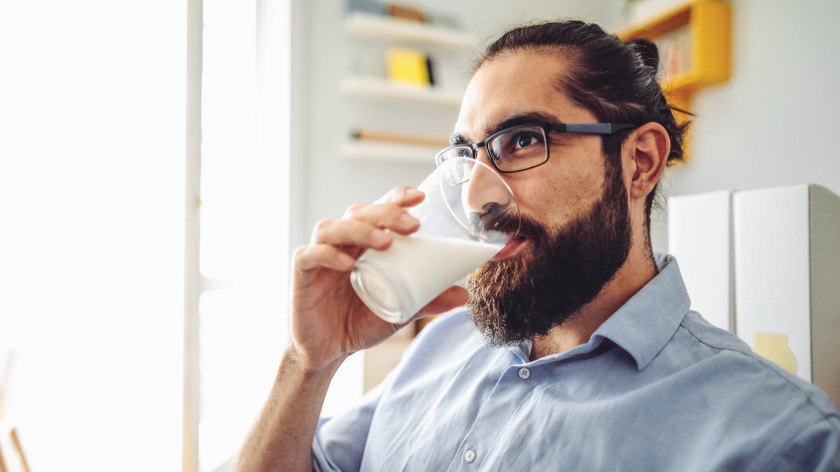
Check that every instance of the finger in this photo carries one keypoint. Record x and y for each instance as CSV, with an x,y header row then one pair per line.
x,y
384,215
403,196
350,233
316,256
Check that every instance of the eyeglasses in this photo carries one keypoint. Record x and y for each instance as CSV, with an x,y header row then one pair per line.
x,y
521,147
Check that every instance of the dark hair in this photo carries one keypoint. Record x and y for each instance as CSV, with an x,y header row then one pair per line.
x,y
616,81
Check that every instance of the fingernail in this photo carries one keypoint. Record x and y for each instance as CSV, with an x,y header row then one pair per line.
x,y
413,192
378,237
409,220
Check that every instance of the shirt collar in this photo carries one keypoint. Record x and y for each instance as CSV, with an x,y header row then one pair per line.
x,y
650,318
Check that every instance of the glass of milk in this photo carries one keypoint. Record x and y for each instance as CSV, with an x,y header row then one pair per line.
x,y
468,216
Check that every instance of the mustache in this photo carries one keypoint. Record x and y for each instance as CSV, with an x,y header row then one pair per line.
x,y
496,217
529,228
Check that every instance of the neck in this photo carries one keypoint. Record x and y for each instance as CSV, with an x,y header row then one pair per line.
x,y
637,271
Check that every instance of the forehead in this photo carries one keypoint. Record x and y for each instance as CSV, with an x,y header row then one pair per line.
x,y
515,84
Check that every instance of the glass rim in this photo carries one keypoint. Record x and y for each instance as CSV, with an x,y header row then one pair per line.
x,y
511,232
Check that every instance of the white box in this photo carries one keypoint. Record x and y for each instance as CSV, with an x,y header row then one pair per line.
x,y
700,237
787,279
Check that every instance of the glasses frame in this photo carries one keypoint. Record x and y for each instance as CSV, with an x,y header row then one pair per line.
x,y
577,128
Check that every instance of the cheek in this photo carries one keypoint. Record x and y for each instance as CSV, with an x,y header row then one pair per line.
x,y
557,194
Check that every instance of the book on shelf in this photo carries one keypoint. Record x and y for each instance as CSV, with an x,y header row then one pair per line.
x,y
402,12
700,237
674,52
409,66
370,7
388,136
787,279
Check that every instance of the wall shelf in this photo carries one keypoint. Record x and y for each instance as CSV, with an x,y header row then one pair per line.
x,y
709,24
381,89
389,152
360,25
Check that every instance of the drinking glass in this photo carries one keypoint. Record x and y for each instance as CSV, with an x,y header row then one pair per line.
x,y
468,216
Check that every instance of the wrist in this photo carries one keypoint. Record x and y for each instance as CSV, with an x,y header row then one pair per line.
x,y
297,363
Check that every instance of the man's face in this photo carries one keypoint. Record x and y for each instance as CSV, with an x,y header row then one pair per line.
x,y
576,229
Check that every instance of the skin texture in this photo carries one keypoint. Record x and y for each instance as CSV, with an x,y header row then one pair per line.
x,y
329,322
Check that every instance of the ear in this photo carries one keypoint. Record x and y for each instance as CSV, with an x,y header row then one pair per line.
x,y
649,148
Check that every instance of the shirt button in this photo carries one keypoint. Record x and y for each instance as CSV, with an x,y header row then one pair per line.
x,y
469,456
524,373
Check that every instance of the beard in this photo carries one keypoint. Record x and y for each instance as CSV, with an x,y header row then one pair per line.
x,y
556,273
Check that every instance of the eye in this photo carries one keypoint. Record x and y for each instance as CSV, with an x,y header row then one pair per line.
x,y
525,139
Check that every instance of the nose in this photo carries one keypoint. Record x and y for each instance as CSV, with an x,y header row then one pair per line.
x,y
485,196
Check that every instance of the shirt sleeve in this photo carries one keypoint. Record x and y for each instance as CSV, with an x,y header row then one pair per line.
x,y
815,448
339,443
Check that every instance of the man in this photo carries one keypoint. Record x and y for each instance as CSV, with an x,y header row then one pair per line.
x,y
577,351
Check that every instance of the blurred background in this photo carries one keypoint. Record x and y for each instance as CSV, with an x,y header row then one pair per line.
x,y
156,174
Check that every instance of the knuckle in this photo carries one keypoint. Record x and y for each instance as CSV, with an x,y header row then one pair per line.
x,y
398,193
393,195
402,189
354,210
394,211
323,225
300,252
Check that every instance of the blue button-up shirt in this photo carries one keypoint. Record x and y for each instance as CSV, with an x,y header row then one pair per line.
x,y
656,388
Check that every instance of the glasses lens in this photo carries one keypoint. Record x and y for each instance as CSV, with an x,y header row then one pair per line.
x,y
457,169
518,148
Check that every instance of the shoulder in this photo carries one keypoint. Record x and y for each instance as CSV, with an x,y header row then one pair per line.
x,y
751,401
815,447
738,363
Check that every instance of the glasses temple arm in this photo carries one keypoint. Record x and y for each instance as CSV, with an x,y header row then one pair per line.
x,y
591,128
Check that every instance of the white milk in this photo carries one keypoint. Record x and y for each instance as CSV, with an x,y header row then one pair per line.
x,y
419,268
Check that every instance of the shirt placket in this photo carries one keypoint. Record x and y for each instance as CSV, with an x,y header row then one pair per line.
x,y
514,386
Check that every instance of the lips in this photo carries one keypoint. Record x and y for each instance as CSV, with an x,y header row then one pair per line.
x,y
510,248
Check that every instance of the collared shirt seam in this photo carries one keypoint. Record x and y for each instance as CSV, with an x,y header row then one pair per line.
x,y
556,358
766,365
686,311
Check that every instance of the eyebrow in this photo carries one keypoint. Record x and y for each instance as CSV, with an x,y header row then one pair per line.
x,y
515,120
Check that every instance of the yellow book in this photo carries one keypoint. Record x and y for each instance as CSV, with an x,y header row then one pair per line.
x,y
408,66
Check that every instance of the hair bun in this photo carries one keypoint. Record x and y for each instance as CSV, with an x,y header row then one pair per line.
x,y
648,52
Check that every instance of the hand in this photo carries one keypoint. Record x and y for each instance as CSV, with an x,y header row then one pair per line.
x,y
329,321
